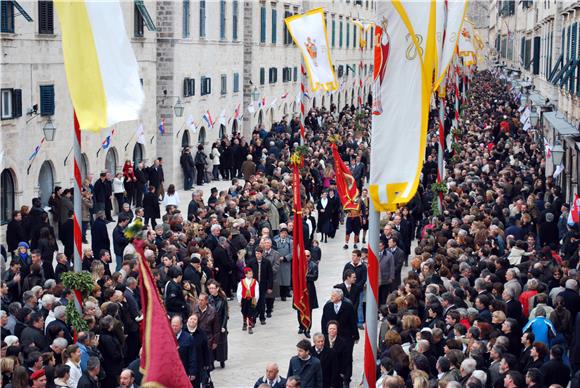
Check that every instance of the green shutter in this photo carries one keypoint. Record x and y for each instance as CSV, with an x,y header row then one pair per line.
x,y
47,100
263,24
145,15
16,103
274,25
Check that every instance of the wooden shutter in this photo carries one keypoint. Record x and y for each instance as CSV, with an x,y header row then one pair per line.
x,y
16,103
47,100
45,17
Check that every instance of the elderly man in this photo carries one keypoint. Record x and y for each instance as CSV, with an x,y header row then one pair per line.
x,y
342,311
127,379
275,259
284,247
272,377
58,327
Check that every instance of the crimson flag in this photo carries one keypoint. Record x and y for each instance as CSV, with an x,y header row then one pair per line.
x,y
160,361
345,182
299,262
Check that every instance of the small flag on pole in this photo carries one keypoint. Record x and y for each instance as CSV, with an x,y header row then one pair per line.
x,y
140,134
207,118
162,127
574,215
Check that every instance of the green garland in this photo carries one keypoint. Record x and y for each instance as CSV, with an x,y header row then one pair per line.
x,y
436,188
83,282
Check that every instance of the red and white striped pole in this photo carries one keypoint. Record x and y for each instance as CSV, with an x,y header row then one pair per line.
x,y
372,299
440,165
77,197
302,96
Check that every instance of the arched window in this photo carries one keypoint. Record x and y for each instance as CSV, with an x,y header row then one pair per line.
x,y
260,118
138,153
285,110
322,102
7,196
222,133
235,127
314,102
201,136
84,166
185,142
111,161
45,182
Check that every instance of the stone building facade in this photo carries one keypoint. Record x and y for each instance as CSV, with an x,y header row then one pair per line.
x,y
537,43
210,57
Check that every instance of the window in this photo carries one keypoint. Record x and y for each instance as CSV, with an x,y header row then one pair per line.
x,y
45,17
7,16
222,19
235,6
47,100
205,86
186,18
224,85
340,71
263,24
274,25
202,18
236,82
295,74
286,74
273,75
7,197
354,43
333,32
340,34
287,36
144,16
372,36
188,87
138,26
262,76
347,35
11,103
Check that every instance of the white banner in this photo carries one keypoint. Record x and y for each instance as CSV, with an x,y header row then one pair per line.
x,y
405,58
450,15
309,33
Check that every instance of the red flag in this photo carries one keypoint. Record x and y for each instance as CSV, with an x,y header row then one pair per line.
x,y
160,362
345,182
299,262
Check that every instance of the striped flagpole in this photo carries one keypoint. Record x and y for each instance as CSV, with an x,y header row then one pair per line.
x,y
440,166
360,81
302,109
77,197
372,299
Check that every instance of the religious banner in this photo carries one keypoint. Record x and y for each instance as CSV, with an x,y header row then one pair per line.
x,y
101,70
450,16
309,33
159,368
405,59
299,261
345,182
466,44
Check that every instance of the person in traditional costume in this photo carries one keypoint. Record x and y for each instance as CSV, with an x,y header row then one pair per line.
x,y
248,294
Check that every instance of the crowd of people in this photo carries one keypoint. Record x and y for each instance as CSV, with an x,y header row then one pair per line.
x,y
489,296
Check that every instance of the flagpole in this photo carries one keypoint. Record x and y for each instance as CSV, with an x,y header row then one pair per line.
x,y
77,197
302,103
372,296
440,167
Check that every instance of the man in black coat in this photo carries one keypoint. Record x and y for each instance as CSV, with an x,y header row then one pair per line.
x,y
173,293
140,184
187,166
34,334
67,237
322,352
305,366
119,240
349,288
272,377
555,371
155,173
185,348
571,297
99,234
342,311
224,265
15,232
100,192
264,275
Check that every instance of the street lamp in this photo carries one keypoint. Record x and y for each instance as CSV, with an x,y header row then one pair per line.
x,y
557,154
49,130
255,94
178,108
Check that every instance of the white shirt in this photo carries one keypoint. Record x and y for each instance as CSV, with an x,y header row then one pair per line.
x,y
337,306
247,282
75,373
171,200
